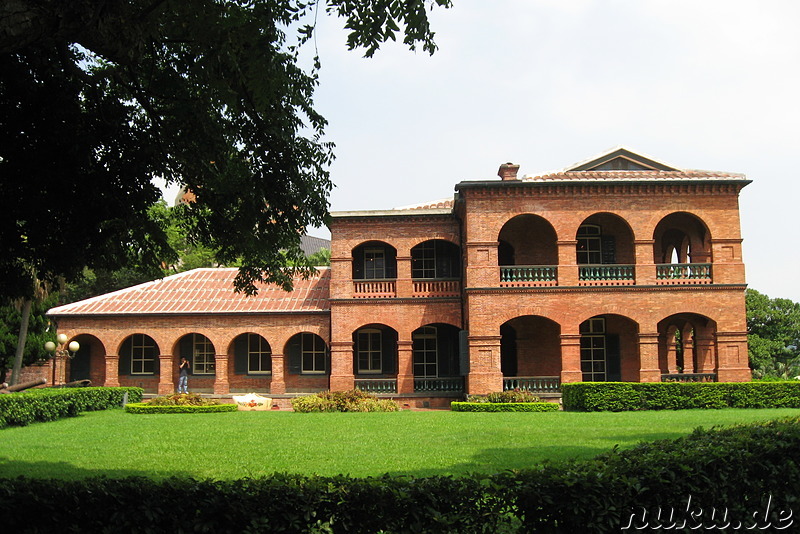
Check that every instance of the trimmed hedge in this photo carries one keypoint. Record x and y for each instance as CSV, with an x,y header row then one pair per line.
x,y
504,407
626,396
743,471
353,400
147,408
49,404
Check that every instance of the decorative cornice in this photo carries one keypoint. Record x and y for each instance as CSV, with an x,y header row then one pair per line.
x,y
602,289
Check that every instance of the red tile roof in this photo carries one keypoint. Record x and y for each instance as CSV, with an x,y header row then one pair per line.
x,y
628,176
205,291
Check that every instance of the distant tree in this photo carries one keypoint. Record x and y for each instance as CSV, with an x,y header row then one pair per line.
x,y
320,258
98,97
39,331
773,328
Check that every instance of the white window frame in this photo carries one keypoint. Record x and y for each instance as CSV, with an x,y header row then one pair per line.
x,y
203,356
594,350
313,351
138,351
262,351
590,236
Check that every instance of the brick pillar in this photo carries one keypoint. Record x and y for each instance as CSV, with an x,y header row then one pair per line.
x,y
166,374
342,378
485,375
687,338
112,370
567,268
648,358
645,268
672,356
732,359
571,358
278,383
704,349
221,384
405,367
405,286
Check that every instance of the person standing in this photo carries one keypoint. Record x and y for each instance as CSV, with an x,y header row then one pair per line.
x,y
183,380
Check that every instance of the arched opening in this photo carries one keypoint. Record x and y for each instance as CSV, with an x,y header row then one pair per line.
x,y
375,350
687,348
682,249
374,260
530,353
89,361
139,362
527,252
436,358
252,355
605,250
609,347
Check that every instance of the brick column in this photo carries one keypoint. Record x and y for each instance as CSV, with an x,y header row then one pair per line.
x,y
704,349
485,375
342,378
405,286
672,355
645,268
405,367
648,358
278,384
732,359
112,370
166,374
567,267
571,358
687,340
221,384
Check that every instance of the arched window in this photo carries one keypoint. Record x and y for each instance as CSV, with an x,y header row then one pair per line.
x,y
425,352
368,350
139,355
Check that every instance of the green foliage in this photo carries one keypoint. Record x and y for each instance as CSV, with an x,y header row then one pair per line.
x,y
49,404
353,400
99,97
511,395
527,406
150,408
773,328
738,469
182,399
626,396
39,332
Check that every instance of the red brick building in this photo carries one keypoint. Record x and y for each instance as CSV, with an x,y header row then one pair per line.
x,y
617,268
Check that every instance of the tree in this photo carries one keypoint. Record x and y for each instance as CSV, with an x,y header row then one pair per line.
x,y
773,328
39,331
97,97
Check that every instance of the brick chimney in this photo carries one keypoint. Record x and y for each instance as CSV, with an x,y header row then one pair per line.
x,y
508,171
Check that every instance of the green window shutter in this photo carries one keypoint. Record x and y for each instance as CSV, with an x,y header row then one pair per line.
x,y
240,355
295,364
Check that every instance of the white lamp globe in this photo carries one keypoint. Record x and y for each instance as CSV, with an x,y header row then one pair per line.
x,y
62,338
50,346
74,346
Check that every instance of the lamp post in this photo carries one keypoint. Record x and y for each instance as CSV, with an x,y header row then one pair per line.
x,y
61,351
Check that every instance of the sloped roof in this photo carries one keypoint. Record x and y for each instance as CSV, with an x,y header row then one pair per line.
x,y
205,291
311,245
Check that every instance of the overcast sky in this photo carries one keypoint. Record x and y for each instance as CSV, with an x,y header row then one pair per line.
x,y
546,83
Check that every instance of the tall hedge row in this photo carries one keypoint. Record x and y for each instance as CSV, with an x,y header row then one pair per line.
x,y
49,404
625,396
751,473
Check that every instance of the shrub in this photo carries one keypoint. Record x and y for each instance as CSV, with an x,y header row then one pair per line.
x,y
182,399
623,396
511,395
504,406
150,408
49,404
353,400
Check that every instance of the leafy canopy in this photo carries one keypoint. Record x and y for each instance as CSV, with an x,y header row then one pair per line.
x,y
99,96
773,327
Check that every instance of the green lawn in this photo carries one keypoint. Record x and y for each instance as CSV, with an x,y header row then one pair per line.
x,y
249,444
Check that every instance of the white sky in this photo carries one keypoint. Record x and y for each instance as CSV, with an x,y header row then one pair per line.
x,y
546,83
